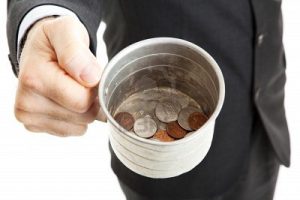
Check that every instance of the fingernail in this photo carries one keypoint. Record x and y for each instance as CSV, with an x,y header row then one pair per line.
x,y
90,75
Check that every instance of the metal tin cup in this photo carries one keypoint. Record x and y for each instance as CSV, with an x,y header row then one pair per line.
x,y
162,62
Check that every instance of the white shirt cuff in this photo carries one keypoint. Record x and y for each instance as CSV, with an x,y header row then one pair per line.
x,y
37,13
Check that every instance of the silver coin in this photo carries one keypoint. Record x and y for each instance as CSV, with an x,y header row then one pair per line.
x,y
161,125
174,100
166,111
145,127
184,101
184,115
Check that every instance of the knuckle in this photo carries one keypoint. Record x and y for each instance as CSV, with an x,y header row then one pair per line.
x,y
19,116
29,81
32,128
20,104
82,104
23,117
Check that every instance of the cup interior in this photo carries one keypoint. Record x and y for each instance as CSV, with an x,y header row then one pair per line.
x,y
162,63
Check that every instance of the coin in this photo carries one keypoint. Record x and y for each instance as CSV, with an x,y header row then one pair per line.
x,y
175,130
174,100
196,120
184,115
166,111
163,136
145,127
125,120
183,101
161,125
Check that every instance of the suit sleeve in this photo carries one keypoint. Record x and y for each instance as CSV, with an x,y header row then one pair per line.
x,y
88,11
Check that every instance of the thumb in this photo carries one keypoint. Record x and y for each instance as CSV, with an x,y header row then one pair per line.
x,y
70,41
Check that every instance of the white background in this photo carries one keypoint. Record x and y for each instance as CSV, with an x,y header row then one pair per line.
x,y
41,167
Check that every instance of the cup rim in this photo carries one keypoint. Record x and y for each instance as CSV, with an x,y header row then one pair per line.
x,y
161,40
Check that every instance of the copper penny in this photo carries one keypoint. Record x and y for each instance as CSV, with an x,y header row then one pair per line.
x,y
175,130
196,120
184,115
125,119
163,136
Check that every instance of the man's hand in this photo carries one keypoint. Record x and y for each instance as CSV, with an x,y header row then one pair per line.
x,y
58,78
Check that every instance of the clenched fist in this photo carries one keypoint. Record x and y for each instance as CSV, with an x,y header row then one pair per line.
x,y
57,91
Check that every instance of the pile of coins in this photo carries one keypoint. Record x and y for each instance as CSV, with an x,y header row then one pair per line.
x,y
168,122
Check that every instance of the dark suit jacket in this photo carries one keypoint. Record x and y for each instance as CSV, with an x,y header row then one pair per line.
x,y
245,37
